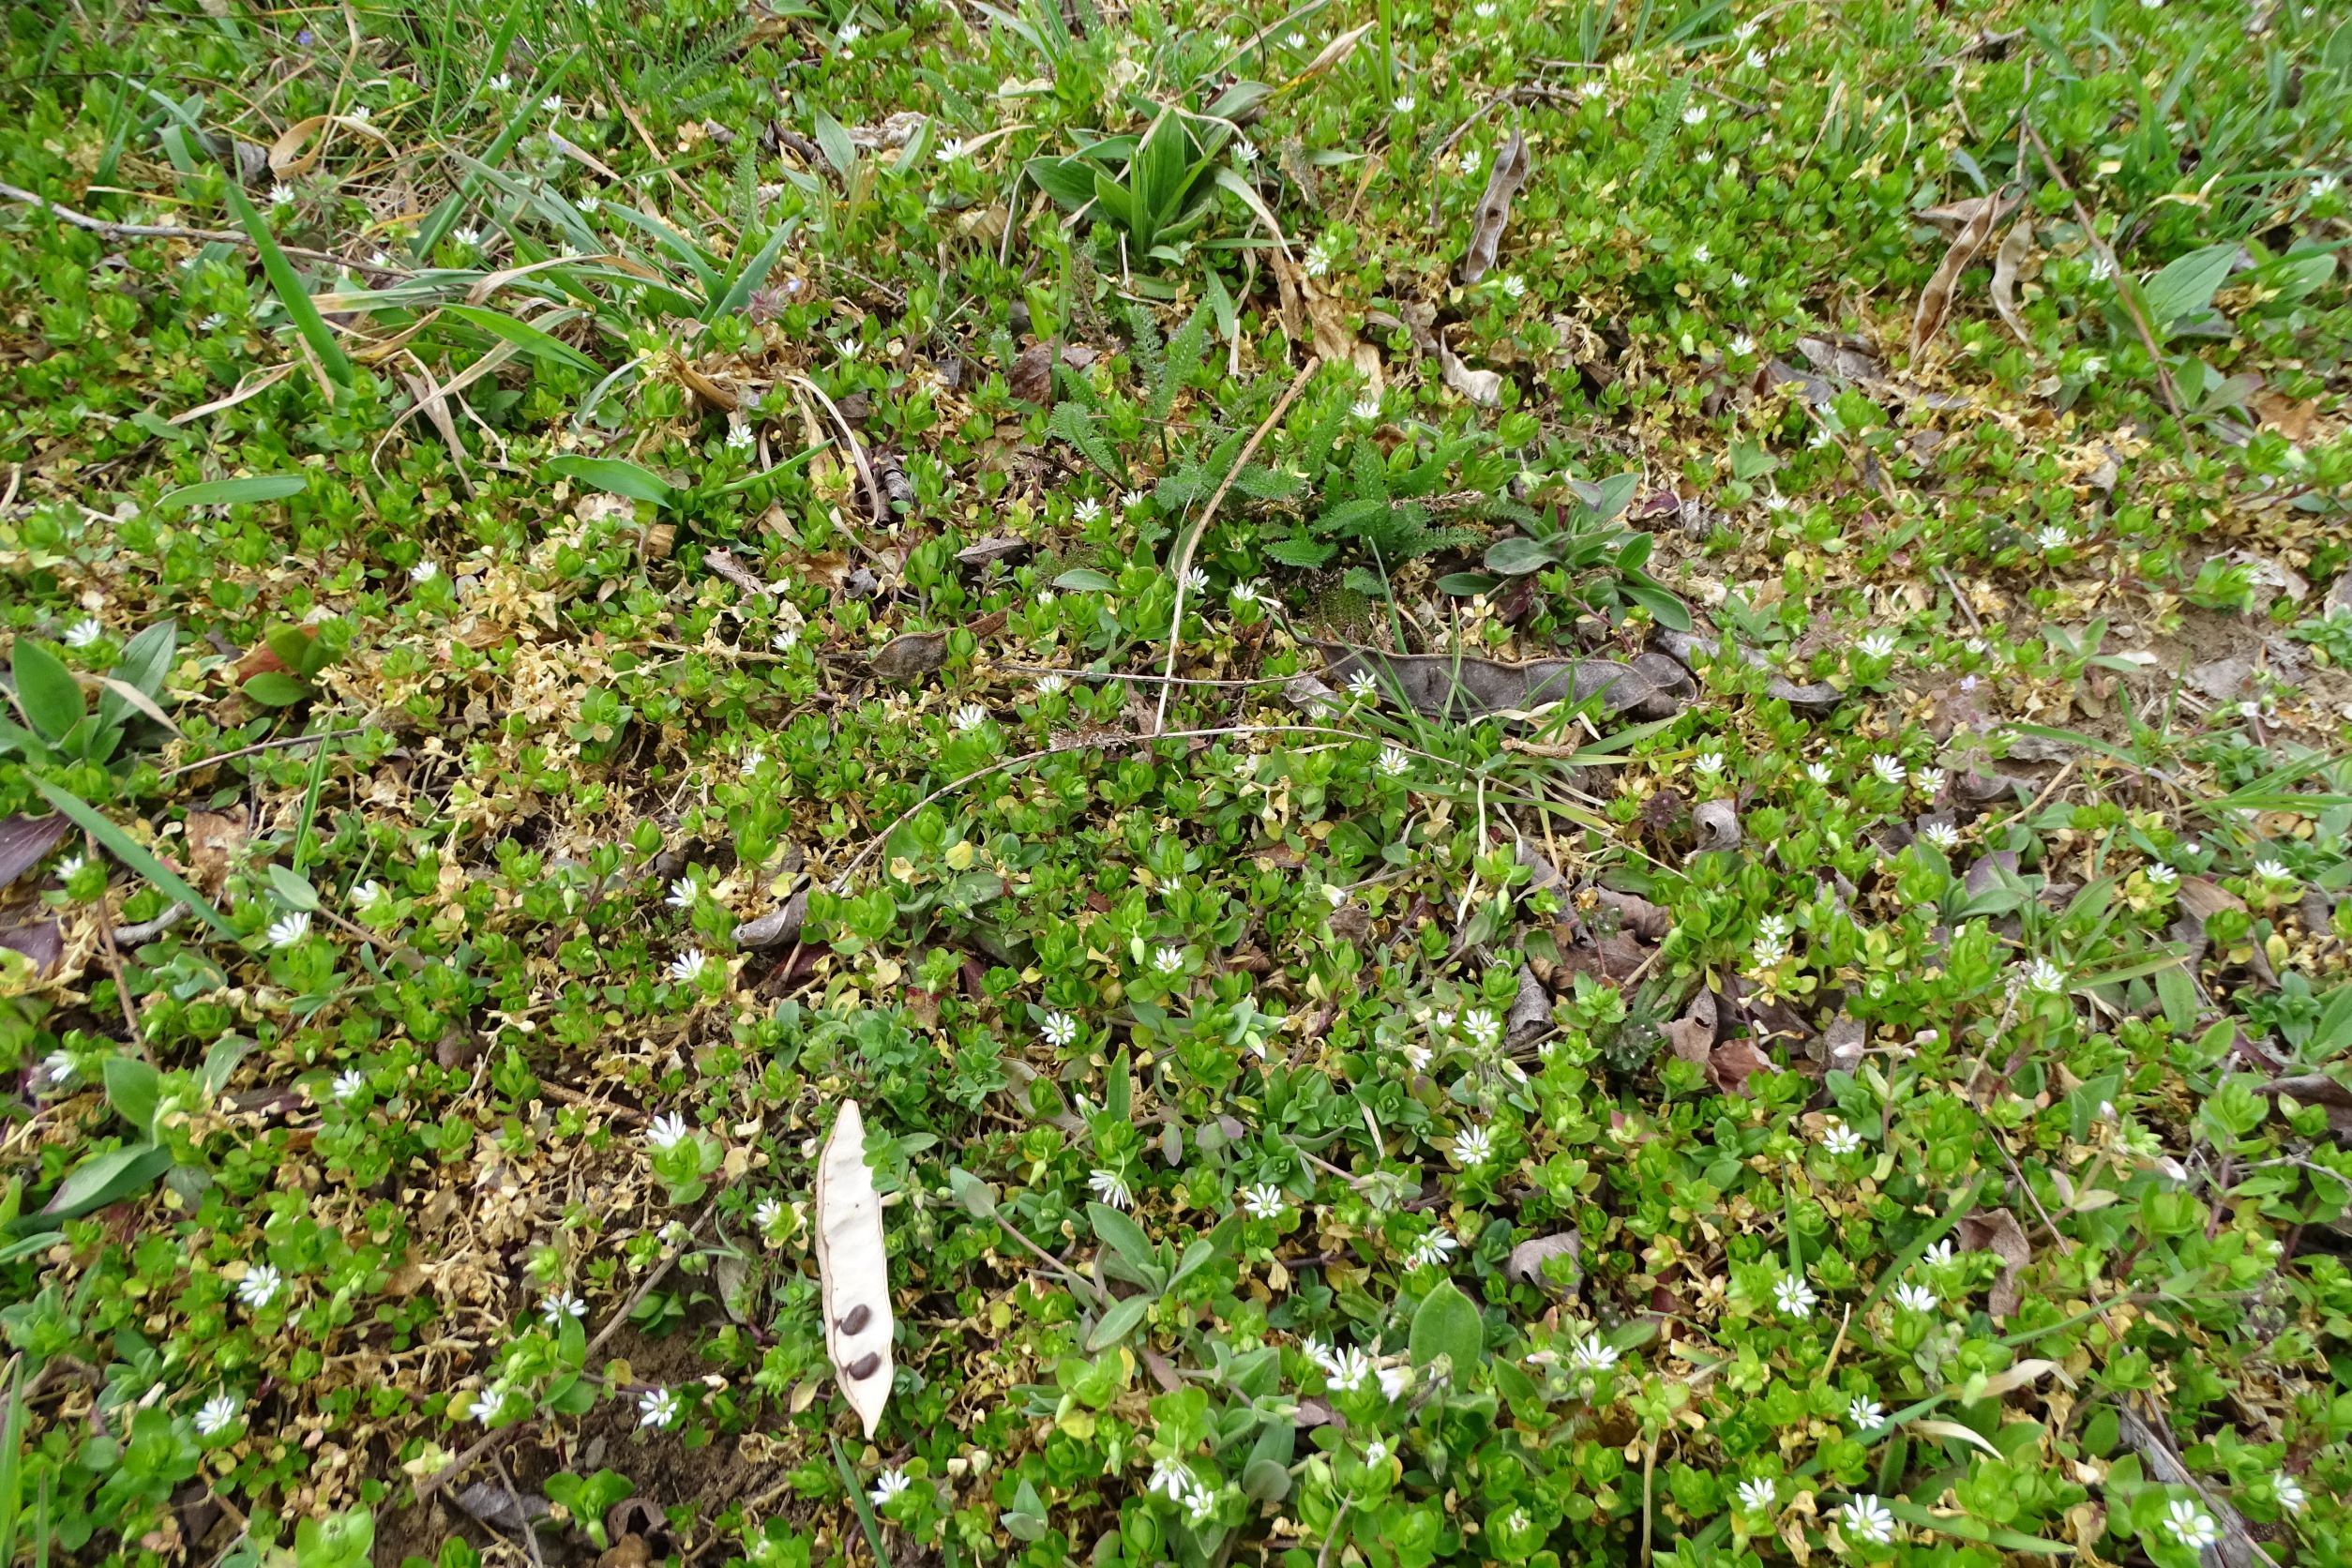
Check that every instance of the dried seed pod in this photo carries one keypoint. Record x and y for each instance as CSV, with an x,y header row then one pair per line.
x,y
853,1268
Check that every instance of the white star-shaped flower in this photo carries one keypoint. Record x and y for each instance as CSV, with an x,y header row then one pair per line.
x,y
668,1131
656,1406
1263,1200
1793,1296
1110,1188
1594,1354
560,1305
1060,1030
2189,1525
216,1414
1866,1519
259,1287
289,929
688,966
888,1485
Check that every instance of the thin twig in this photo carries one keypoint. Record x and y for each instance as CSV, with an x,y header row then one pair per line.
x,y
857,454
172,231
264,745
115,959
1208,515
433,1482
2115,267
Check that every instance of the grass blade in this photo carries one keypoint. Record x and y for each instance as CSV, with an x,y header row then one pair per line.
x,y
126,849
291,294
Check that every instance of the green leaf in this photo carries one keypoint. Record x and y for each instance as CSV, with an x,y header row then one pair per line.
x,y
738,294
46,690
839,149
1664,605
1447,1324
1967,1529
1068,181
2186,287
1266,1480
1119,1322
133,1088
1468,583
615,474
289,288
104,1179
1606,497
275,688
1084,579
127,850
532,340
146,660
1518,557
229,492
1124,1236
293,888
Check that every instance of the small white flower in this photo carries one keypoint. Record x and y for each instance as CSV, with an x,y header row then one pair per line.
x,y
2270,870
259,1287
1773,925
769,1214
350,1081
1707,763
739,438
1513,284
358,111
1471,160
424,572
71,868
1864,1413
552,103
58,1068
1879,644
1742,345
1366,407
1915,1298
1594,1354
1314,1349
1402,103
368,894
1817,772
849,348
1839,1138
1753,59
1758,1494
1263,1200
1244,153
83,632
289,929
2191,1526
1200,1503
1110,1188
589,204
1694,115
969,716
1363,687
1319,257
487,1405
1251,591
668,1131
1484,10
1929,782
502,82
282,195
1701,254
749,765
1473,1146
1087,510
1395,1382
888,1485
1937,1256
2162,874
682,894
1942,834
1392,761
1889,768
561,1304
785,639
1739,282
211,323
1195,580
1171,1479
2284,1486
688,966
1434,1248
468,237
1594,87
1793,1296
1349,1371
1481,1026
1060,1030
1132,499
850,32
656,1406
2053,538
216,1414
2045,977
1867,1519
1376,1453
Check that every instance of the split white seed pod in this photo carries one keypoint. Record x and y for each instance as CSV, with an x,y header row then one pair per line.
x,y
854,1269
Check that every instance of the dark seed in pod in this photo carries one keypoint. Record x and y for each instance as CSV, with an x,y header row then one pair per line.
x,y
857,1318
865,1366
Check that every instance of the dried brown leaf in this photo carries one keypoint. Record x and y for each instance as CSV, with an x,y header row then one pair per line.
x,y
1935,303
1996,1232
1526,1260
2016,248
910,658
25,841
1493,213
1483,387
1443,685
